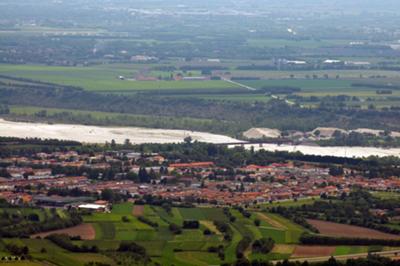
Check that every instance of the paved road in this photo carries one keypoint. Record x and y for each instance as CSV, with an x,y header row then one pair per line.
x,y
254,89
389,254
239,84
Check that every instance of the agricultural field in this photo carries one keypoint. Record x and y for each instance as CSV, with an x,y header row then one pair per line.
x,y
106,79
343,230
127,222
85,231
190,247
318,89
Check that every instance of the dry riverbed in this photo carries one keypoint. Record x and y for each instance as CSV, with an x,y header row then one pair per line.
x,y
96,134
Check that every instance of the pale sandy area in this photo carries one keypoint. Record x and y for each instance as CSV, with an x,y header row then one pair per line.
x,y
96,134
348,152
258,133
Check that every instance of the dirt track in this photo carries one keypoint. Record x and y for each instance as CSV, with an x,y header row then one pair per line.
x,y
271,221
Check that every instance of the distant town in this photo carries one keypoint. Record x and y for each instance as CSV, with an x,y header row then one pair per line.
x,y
39,180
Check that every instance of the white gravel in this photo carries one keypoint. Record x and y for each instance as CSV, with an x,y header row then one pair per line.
x,y
96,134
348,152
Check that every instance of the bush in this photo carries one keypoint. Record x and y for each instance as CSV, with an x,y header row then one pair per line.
x,y
207,232
17,250
147,221
125,219
130,246
175,229
64,241
309,239
263,245
191,224
242,246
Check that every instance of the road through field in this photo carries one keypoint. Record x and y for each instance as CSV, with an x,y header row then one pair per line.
x,y
239,84
253,89
271,221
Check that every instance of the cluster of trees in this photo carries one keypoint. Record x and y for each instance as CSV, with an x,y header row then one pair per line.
x,y
175,229
360,139
191,224
112,196
15,226
64,241
29,146
17,250
130,246
225,229
229,215
148,221
309,239
38,141
351,209
219,250
371,260
263,245
244,212
242,246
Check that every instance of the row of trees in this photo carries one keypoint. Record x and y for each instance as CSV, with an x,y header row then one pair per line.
x,y
12,227
308,239
64,241
371,260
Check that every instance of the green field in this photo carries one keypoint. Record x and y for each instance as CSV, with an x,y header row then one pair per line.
x,y
103,78
280,43
305,84
190,247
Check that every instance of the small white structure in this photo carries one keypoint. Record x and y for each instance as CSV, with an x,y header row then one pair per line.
x,y
295,62
94,207
332,61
